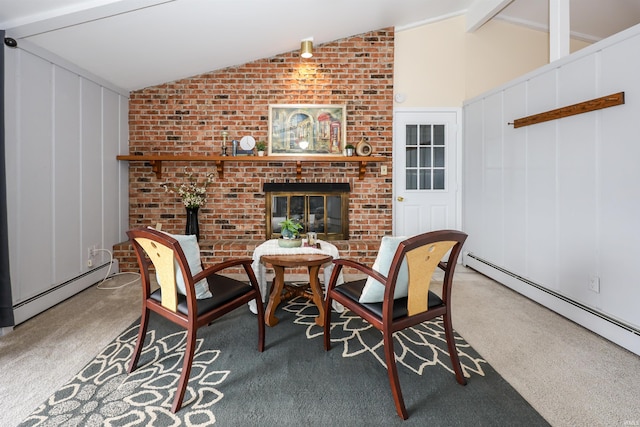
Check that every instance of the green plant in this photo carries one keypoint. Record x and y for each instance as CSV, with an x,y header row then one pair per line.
x,y
261,146
290,228
349,146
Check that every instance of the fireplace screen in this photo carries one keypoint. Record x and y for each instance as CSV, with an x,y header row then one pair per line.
x,y
323,208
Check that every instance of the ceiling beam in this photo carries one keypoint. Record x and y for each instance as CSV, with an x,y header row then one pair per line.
x,y
69,17
559,29
482,11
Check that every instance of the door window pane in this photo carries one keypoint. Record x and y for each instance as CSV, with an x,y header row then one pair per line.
x,y
412,157
438,179
425,135
425,179
438,134
412,135
438,155
412,179
425,157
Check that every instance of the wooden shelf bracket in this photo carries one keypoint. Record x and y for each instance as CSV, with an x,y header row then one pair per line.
x,y
298,169
156,167
362,170
220,168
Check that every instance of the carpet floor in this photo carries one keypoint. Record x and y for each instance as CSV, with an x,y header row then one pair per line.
x,y
293,382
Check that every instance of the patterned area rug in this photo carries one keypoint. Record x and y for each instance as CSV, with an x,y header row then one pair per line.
x,y
293,382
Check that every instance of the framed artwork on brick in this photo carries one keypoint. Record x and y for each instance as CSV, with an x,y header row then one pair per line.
x,y
307,129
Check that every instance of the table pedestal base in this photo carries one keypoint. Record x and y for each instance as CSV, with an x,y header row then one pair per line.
x,y
279,262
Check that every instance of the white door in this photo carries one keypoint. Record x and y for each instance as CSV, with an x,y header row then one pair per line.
x,y
425,172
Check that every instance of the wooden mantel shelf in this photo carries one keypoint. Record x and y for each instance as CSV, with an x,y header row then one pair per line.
x,y
156,161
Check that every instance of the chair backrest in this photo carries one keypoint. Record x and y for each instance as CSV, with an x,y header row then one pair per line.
x,y
163,251
424,253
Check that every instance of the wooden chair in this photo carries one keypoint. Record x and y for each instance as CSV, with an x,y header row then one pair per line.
x,y
423,254
160,249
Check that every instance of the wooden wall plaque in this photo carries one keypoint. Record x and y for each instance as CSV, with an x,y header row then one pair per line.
x,y
571,110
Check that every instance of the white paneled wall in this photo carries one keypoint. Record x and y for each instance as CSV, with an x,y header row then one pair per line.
x,y
557,203
66,190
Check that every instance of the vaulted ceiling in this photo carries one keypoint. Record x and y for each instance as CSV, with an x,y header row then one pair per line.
x,y
139,43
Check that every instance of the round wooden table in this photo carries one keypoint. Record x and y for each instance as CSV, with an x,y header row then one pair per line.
x,y
279,263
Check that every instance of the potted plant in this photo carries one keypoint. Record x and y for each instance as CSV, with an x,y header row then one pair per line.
x,y
290,232
349,149
261,146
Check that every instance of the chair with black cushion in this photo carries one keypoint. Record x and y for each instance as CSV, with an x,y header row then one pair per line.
x,y
188,295
395,295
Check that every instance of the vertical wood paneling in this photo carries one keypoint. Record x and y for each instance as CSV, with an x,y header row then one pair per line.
x,y
493,198
66,176
472,214
62,136
110,179
571,183
12,156
577,177
515,182
92,208
541,185
618,190
34,202
123,169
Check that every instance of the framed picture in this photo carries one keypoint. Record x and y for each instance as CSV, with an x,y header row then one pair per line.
x,y
307,129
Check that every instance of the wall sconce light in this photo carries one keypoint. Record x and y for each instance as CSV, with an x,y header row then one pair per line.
x,y
306,48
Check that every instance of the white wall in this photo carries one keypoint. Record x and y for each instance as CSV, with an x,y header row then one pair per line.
x,y
66,191
557,202
440,64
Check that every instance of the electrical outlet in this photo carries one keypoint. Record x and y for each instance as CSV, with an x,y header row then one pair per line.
x,y
92,252
383,169
594,284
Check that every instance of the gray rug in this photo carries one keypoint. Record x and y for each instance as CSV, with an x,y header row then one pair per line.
x,y
293,382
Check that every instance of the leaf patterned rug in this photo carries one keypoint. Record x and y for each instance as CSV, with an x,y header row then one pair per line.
x,y
293,382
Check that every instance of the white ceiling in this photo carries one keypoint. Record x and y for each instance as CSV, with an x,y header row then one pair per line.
x,y
138,43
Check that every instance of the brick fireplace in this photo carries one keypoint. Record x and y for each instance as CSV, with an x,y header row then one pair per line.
x,y
187,117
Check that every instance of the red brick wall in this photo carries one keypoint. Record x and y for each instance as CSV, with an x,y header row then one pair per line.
x,y
188,116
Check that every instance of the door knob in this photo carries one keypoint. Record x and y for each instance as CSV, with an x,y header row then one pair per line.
x,y
400,199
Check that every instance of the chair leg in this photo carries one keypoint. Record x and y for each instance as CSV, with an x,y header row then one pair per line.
x,y
327,323
453,351
392,371
186,369
260,316
142,332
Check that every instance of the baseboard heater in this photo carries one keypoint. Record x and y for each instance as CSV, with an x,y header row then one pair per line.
x,y
30,307
617,322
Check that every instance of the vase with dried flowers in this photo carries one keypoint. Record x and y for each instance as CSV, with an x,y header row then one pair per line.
x,y
193,194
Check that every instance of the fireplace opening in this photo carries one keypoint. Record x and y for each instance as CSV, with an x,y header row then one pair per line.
x,y
320,207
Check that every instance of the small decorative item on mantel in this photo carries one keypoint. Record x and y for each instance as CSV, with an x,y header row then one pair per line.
x,y
363,148
290,234
261,146
349,150
225,134
193,196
